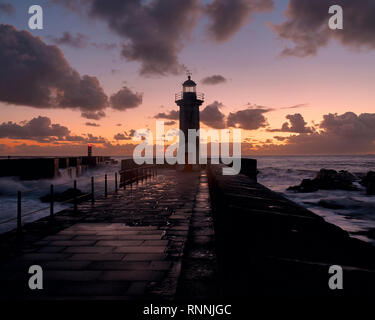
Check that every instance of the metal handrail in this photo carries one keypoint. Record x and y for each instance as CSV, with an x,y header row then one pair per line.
x,y
75,199
180,96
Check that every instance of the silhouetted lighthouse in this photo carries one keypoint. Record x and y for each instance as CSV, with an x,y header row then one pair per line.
x,y
189,102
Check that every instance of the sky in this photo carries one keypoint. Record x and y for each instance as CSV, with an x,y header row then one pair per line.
x,y
101,69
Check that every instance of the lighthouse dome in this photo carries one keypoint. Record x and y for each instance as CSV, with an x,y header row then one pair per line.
x,y
189,83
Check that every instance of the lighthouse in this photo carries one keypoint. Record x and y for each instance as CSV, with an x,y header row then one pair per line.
x,y
189,102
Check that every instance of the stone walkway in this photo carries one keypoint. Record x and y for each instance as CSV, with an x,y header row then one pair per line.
x,y
125,247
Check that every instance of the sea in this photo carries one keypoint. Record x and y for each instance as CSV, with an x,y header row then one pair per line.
x,y
353,211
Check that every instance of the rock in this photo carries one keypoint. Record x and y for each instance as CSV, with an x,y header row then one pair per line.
x,y
63,196
307,185
369,182
327,180
330,204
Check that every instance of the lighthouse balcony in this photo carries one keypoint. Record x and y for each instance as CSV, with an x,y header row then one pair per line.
x,y
181,95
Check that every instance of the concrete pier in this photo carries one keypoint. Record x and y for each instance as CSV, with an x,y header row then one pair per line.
x,y
44,168
183,236
29,168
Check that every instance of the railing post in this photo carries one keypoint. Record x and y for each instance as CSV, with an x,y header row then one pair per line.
x,y
92,191
124,179
75,195
105,186
116,182
19,213
52,201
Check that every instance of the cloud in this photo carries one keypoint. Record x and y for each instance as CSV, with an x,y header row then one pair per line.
x,y
92,124
212,116
93,115
248,119
347,133
296,124
6,8
125,99
307,26
213,80
79,41
125,135
297,106
40,129
228,16
170,123
76,41
154,31
278,138
171,115
103,45
38,75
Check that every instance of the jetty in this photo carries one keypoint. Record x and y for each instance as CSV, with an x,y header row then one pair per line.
x,y
34,168
171,235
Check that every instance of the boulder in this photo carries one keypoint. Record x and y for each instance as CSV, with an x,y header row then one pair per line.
x,y
327,180
369,182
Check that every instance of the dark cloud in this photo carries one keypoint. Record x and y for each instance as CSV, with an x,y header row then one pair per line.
x,y
6,8
125,99
248,119
76,41
297,106
170,123
347,133
37,75
212,80
212,116
125,135
228,16
296,124
93,115
92,124
307,25
278,138
154,31
171,115
90,138
40,128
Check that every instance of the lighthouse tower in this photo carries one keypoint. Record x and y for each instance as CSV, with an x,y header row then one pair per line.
x,y
189,102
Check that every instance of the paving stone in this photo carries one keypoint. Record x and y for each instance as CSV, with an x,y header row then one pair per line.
x,y
120,265
44,256
95,249
141,249
65,265
131,275
97,257
69,243
51,249
137,288
119,243
144,257
155,243
72,275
